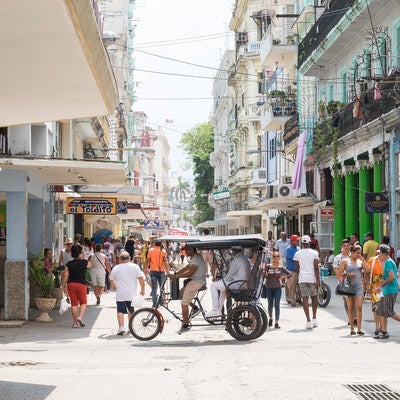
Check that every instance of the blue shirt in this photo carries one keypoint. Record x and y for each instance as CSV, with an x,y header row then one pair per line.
x,y
392,287
290,252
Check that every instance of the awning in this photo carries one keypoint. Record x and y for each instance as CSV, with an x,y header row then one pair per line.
x,y
244,213
68,172
287,203
212,223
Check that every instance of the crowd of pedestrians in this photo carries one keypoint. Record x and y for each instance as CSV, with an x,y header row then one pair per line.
x,y
124,264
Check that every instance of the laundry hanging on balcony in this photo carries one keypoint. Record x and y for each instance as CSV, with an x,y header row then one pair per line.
x,y
299,173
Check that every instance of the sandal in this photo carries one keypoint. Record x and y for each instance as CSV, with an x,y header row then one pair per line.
x,y
360,333
352,333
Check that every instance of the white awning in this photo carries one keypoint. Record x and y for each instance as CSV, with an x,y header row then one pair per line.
x,y
244,213
68,172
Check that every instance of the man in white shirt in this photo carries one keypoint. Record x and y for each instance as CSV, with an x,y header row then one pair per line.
x,y
124,278
239,270
282,244
306,261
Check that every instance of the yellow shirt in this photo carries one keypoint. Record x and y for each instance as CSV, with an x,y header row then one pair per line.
x,y
369,249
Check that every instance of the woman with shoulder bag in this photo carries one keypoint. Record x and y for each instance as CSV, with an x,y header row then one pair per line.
x,y
351,269
274,274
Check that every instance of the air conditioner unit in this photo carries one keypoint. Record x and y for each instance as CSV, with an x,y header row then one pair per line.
x,y
258,176
283,191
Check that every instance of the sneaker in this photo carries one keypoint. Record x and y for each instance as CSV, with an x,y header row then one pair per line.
x,y
377,332
195,311
80,322
75,324
98,300
184,328
314,323
270,322
277,326
382,335
213,313
121,331
309,325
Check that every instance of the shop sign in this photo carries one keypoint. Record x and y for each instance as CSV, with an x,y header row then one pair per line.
x,y
327,212
376,202
221,194
88,205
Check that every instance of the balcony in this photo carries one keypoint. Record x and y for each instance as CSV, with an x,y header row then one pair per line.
x,y
291,130
274,50
54,65
277,109
333,34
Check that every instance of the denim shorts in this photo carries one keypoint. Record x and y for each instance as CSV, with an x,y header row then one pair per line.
x,y
124,307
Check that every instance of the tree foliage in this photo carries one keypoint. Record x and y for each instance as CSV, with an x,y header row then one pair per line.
x,y
198,143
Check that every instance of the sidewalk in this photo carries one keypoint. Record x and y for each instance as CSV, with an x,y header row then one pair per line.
x,y
53,361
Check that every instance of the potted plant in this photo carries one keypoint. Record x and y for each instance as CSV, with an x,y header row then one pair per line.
x,y
44,283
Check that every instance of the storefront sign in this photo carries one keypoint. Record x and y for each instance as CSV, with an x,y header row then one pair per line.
x,y
87,205
327,212
221,194
376,202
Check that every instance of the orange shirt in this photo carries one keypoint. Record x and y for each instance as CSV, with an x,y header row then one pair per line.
x,y
156,257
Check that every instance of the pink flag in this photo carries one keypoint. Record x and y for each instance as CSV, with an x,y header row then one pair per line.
x,y
299,181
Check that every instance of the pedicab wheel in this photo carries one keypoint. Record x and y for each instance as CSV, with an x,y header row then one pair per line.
x,y
145,324
264,321
324,295
244,322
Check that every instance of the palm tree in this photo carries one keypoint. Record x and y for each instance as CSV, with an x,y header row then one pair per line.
x,y
181,190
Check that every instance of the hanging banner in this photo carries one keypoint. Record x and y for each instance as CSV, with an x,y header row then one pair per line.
x,y
376,202
88,205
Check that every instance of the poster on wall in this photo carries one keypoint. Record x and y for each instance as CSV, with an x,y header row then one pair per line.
x,y
3,224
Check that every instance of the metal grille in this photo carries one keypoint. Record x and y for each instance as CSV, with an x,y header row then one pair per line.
x,y
373,392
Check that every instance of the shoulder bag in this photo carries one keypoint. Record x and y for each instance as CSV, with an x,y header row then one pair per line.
x,y
345,288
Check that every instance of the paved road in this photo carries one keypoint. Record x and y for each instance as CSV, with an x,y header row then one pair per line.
x,y
53,361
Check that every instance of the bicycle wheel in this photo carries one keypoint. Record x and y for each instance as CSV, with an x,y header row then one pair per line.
x,y
145,324
244,322
324,295
264,321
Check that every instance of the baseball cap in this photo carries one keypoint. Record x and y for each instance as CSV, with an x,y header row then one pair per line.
x,y
294,238
383,249
305,239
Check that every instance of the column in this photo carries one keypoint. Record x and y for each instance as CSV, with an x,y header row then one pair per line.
x,y
350,201
35,227
16,288
364,185
378,187
49,224
339,214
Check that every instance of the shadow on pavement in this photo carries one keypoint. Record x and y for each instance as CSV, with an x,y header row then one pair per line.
x,y
15,390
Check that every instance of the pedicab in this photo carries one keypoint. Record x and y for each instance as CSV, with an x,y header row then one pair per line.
x,y
245,318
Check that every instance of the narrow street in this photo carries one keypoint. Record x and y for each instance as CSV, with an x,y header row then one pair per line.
x,y
54,361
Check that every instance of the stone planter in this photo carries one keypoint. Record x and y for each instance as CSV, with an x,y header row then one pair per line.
x,y
44,305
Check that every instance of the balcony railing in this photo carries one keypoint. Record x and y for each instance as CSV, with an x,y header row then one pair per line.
x,y
370,109
325,23
291,129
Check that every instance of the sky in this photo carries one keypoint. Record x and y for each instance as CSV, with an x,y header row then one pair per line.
x,y
192,31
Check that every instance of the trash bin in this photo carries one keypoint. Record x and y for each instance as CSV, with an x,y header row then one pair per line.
x,y
175,289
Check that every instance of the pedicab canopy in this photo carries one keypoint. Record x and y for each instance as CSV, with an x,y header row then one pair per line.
x,y
218,242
